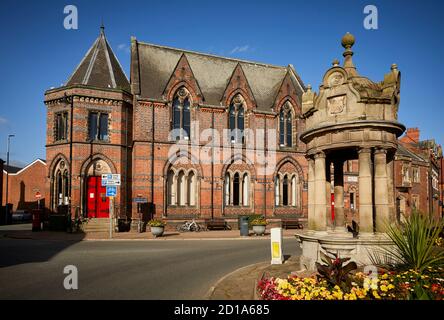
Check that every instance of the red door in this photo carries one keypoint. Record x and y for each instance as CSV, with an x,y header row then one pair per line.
x,y
98,203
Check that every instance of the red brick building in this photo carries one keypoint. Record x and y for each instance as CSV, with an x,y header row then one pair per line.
x,y
198,136
157,133
23,185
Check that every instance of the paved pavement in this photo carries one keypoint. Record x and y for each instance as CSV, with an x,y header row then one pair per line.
x,y
24,232
186,269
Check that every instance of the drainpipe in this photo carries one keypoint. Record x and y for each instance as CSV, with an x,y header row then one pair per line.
x,y
266,164
212,166
152,163
71,100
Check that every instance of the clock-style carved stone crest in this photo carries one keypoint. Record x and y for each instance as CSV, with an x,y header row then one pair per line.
x,y
336,105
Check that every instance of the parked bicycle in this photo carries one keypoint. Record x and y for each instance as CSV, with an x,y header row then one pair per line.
x,y
188,226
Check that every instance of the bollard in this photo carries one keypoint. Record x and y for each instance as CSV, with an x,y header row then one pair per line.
x,y
276,246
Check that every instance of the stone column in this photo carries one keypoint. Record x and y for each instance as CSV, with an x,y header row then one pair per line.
x,y
328,195
365,191
311,193
339,195
241,191
381,190
320,223
390,186
231,189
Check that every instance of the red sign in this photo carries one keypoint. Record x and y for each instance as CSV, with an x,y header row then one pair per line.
x,y
38,195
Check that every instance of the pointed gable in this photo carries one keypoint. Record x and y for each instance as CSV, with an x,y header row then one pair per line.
x,y
155,64
183,75
100,68
238,83
288,91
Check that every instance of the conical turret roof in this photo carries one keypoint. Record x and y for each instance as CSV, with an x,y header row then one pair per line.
x,y
100,67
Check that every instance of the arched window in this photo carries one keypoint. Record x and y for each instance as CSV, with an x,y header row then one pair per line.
x,y
289,130
181,114
181,195
182,189
285,191
236,189
66,187
171,191
59,188
286,126
282,128
237,119
277,187
288,187
294,192
227,189
191,189
245,189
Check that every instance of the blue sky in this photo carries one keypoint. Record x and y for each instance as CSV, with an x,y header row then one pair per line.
x,y
38,53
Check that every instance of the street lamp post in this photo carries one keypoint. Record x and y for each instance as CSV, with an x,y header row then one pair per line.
x,y
7,176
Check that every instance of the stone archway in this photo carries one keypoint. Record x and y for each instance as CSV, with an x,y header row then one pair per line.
x,y
93,202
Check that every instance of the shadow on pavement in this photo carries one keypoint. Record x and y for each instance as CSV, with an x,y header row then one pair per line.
x,y
25,246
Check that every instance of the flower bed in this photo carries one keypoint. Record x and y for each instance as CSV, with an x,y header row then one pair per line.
x,y
386,286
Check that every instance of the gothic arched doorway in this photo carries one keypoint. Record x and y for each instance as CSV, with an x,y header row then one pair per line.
x,y
97,203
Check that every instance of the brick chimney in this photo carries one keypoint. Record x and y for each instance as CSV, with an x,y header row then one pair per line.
x,y
411,136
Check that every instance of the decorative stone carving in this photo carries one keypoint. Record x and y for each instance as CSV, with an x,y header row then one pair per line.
x,y
336,105
336,79
308,99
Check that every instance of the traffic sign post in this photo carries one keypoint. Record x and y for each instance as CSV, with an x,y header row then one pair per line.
x,y
111,215
38,196
111,182
111,191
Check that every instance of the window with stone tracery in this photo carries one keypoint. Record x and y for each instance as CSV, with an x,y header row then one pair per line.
x,y
182,188
60,188
237,189
181,114
286,125
236,114
288,190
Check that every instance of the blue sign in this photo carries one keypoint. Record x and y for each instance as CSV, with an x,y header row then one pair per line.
x,y
111,191
140,200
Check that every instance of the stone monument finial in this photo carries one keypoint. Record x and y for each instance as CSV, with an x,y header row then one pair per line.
x,y
348,40
335,63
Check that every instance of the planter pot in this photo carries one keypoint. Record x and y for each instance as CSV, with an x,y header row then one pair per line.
x,y
259,230
157,231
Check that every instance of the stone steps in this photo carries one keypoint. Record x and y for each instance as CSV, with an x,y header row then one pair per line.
x,y
97,225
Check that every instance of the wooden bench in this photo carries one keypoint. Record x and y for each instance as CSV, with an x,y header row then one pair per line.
x,y
216,224
291,224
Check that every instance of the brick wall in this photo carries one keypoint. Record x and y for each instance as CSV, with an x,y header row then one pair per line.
x,y
24,185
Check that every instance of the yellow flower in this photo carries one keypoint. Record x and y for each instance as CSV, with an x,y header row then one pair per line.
x,y
390,286
384,288
376,295
385,276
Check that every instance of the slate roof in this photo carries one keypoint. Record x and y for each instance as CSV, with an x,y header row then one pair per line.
x,y
156,64
11,169
100,68
403,151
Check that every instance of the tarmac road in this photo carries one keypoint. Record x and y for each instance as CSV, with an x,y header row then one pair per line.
x,y
172,269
